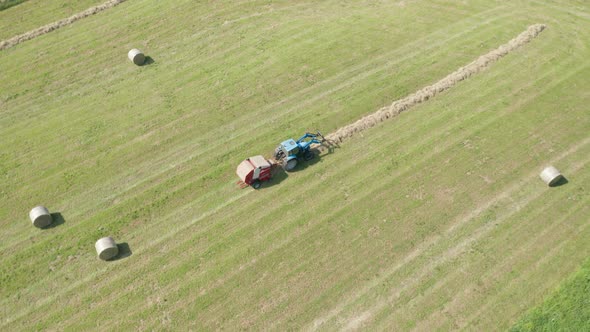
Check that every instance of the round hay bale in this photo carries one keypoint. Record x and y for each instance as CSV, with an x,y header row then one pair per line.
x,y
106,248
550,175
40,216
136,57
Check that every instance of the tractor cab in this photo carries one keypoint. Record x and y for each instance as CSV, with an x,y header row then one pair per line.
x,y
290,148
289,151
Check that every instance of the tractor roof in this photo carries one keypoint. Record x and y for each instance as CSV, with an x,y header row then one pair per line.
x,y
289,144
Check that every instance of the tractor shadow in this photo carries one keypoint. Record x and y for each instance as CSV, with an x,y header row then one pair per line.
x,y
279,174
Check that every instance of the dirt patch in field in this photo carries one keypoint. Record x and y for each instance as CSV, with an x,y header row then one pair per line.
x,y
430,91
56,25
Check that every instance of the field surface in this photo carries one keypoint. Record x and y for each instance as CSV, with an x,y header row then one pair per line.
x,y
567,310
435,219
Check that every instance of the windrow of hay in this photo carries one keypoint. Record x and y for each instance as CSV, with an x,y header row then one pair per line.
x,y
430,91
56,25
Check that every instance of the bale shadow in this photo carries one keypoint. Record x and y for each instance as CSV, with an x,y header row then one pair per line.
x,y
561,182
124,252
148,61
56,220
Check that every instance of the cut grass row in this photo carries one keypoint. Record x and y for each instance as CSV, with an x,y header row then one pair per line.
x,y
32,14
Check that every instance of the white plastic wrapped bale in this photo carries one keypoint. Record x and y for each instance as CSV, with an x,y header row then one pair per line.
x,y
136,56
106,248
551,176
40,217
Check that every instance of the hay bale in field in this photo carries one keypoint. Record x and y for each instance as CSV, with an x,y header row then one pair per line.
x,y
136,56
551,176
106,248
40,216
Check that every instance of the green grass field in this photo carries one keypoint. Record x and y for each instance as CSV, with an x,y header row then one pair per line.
x,y
567,310
433,220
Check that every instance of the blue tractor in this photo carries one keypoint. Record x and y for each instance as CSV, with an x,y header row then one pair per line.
x,y
290,151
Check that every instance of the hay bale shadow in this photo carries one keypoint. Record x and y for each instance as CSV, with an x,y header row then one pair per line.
x,y
56,220
124,252
562,182
148,61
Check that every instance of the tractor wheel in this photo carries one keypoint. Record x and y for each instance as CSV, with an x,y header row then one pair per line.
x,y
289,165
256,184
308,155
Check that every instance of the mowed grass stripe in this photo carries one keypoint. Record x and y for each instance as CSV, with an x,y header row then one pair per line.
x,y
535,284
434,258
369,172
197,241
538,284
454,292
563,86
546,86
445,288
80,38
495,273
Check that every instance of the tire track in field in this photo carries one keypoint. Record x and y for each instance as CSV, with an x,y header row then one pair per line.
x,y
449,253
464,293
552,252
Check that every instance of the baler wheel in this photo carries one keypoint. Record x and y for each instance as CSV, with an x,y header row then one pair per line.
x,y
256,184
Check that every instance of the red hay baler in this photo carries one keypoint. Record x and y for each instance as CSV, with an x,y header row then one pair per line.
x,y
254,170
